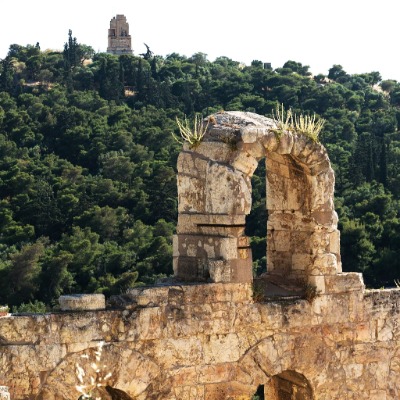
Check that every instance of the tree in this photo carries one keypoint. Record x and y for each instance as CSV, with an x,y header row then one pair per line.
x,y
297,67
337,73
24,271
6,75
71,52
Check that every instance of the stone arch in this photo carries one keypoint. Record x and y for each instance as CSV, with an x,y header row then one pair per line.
x,y
214,197
271,365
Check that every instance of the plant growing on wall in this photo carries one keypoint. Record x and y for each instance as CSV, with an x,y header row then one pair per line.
x,y
191,133
90,381
283,120
287,121
308,126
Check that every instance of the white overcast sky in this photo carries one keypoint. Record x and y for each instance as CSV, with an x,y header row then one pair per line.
x,y
362,36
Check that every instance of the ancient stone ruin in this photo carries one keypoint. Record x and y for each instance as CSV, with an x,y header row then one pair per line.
x,y
214,189
208,335
119,39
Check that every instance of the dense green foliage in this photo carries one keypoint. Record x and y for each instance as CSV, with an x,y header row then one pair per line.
x,y
87,167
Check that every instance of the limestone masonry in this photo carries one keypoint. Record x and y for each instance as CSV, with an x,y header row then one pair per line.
x,y
119,39
302,331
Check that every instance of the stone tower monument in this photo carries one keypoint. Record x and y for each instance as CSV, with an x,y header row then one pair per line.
x,y
119,39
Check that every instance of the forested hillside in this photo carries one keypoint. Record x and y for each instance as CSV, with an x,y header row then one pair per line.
x,y
87,166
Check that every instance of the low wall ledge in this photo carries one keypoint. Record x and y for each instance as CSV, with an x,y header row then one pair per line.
x,y
82,302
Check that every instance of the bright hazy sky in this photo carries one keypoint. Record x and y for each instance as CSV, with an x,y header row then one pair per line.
x,y
362,36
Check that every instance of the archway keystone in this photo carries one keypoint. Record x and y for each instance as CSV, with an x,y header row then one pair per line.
x,y
214,197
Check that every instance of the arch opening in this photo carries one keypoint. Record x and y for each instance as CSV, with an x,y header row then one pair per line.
x,y
288,385
256,221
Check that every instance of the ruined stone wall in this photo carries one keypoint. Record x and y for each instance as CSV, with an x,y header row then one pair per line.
x,y
212,341
223,338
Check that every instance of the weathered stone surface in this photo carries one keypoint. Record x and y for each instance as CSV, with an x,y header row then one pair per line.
x,y
214,179
209,341
227,191
82,302
191,194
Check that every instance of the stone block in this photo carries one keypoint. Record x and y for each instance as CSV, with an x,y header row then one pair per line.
x,y
191,164
199,223
299,146
293,221
321,167
241,270
344,283
222,230
301,242
318,282
251,134
278,158
305,147
190,268
191,194
270,142
353,371
185,163
205,247
227,192
284,170
317,156
175,246
188,392
378,395
220,271
324,264
322,189
255,149
277,189
285,143
364,333
280,241
228,249
244,162
273,166
244,253
327,219
75,302
243,241
279,262
334,242
217,151
149,297
301,261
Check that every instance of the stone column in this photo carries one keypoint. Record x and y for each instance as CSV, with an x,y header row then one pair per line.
x,y
213,200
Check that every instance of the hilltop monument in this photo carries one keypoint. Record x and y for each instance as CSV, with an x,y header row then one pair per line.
x,y
119,39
